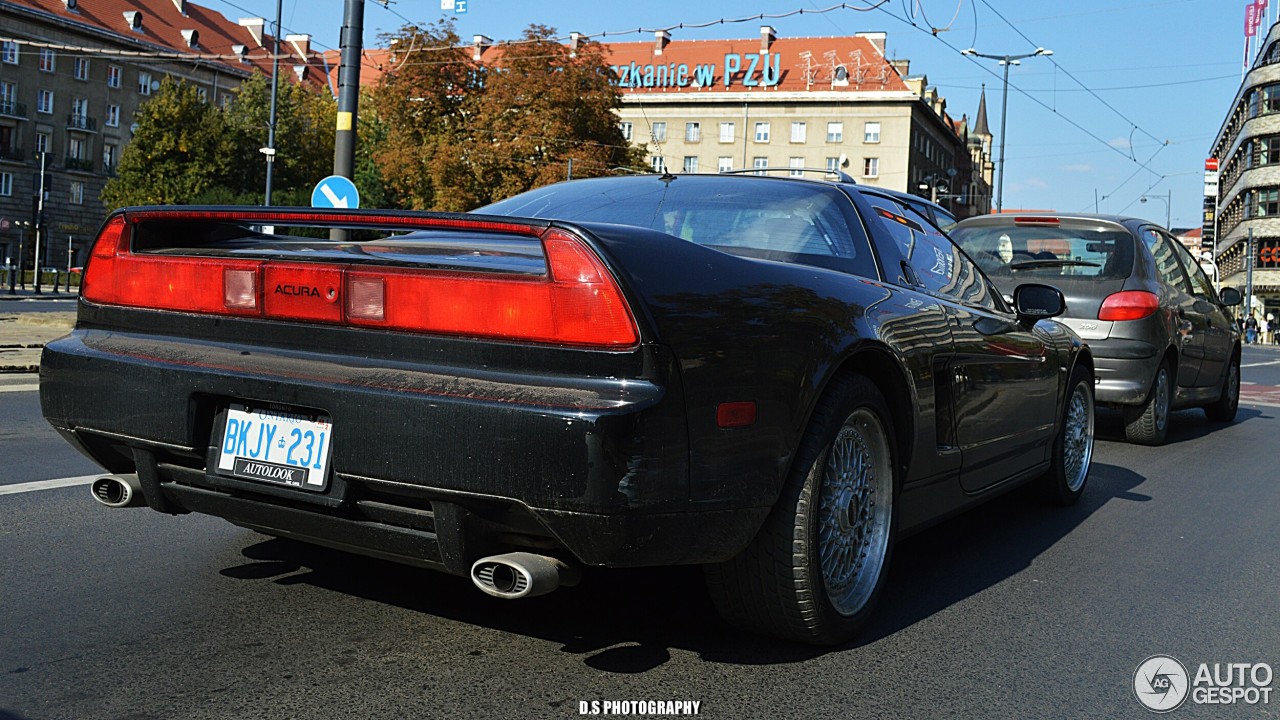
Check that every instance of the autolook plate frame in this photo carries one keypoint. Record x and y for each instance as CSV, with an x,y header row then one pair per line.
x,y
271,444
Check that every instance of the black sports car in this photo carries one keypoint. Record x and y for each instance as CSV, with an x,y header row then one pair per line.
x,y
774,378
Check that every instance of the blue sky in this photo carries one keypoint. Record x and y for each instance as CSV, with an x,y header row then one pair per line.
x,y
1160,74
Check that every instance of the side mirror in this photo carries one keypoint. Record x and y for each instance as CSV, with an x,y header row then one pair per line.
x,y
1033,302
1230,296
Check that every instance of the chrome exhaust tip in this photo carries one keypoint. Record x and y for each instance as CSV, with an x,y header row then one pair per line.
x,y
519,575
118,491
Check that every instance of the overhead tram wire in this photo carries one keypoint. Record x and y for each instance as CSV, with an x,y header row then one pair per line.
x,y
1024,93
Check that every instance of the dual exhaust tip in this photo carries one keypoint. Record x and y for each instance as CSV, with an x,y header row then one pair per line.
x,y
516,575
118,491
509,576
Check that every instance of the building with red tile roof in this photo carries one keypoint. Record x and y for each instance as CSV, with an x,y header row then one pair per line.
x,y
72,74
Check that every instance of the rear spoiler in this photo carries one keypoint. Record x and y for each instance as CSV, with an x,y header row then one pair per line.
x,y
212,260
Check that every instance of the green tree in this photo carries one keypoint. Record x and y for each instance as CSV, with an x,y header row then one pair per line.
x,y
180,150
305,122
461,134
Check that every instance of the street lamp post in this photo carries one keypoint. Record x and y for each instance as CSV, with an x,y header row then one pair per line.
x,y
1168,206
1006,61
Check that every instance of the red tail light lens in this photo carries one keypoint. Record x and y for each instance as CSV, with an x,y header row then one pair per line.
x,y
576,303
1129,305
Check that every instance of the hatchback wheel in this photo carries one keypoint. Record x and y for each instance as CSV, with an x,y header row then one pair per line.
x,y
1228,402
816,568
1148,423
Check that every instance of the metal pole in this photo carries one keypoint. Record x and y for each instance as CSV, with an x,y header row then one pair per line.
x,y
1168,210
271,123
344,143
22,261
71,251
44,162
1248,283
1004,114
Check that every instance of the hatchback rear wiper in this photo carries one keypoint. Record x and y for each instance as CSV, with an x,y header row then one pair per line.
x,y
1023,264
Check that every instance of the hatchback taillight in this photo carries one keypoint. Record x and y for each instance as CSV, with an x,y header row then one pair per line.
x,y
1129,305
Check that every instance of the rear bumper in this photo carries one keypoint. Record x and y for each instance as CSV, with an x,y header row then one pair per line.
x,y
1125,370
429,466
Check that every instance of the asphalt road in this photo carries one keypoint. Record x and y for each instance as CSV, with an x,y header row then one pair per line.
x,y
1012,610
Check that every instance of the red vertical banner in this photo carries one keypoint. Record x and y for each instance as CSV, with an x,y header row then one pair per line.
x,y
1250,19
1259,15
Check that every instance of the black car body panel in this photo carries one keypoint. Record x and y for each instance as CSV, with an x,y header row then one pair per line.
x,y
447,447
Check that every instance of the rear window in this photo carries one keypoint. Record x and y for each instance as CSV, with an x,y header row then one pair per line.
x,y
773,219
1084,250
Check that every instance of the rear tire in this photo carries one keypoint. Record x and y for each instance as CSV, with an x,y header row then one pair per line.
x,y
1148,424
1224,408
815,570
1064,483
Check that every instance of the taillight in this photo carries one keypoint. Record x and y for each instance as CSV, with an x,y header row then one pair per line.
x,y
1129,305
576,303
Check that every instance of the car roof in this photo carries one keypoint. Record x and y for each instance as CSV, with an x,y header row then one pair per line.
x,y
1009,218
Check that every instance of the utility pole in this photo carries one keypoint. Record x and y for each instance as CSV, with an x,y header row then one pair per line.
x,y
1248,283
270,149
44,167
352,43
1006,61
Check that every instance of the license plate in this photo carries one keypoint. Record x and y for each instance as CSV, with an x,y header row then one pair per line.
x,y
276,447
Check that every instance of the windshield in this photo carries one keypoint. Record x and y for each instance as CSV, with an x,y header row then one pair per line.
x,y
1085,250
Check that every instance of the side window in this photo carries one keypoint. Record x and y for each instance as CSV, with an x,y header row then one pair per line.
x,y
1167,265
937,264
1200,285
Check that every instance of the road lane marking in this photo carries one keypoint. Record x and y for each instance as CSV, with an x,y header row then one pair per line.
x,y
19,388
48,484
1271,362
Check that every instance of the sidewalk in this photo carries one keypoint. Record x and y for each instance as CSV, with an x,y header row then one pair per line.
x,y
23,334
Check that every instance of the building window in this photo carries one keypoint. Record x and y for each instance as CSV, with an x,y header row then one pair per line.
x,y
659,131
724,164
6,184
44,102
762,132
8,98
871,132
203,94
113,76
835,132
691,163
82,68
77,192
1263,203
42,143
759,163
47,60
75,148
726,132
626,131
797,166
144,83
80,111
113,116
799,132
657,164
692,132
9,52
109,154
833,164
871,167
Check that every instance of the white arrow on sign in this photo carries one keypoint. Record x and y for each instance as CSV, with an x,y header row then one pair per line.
x,y
338,202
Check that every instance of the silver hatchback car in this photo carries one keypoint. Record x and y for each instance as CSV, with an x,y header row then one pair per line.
x,y
1162,339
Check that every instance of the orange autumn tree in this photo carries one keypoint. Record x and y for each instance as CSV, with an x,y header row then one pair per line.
x,y
461,134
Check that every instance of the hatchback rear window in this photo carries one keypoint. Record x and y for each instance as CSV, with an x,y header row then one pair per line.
x,y
1084,250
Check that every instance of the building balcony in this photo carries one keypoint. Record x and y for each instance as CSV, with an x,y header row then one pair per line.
x,y
79,164
12,154
13,109
82,122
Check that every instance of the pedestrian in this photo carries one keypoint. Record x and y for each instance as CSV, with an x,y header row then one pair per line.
x,y
1250,329
1264,328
